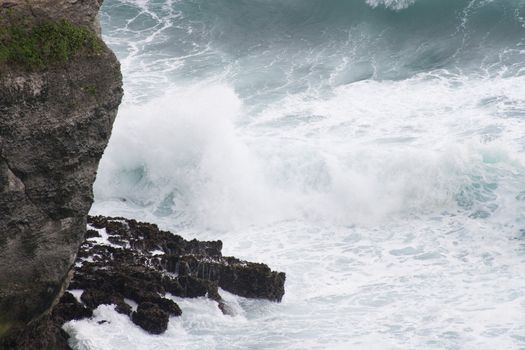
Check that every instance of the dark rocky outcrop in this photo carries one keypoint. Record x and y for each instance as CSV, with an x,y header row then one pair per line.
x,y
41,335
128,260
69,309
151,317
47,332
55,122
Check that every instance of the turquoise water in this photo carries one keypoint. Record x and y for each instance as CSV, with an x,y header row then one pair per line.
x,y
373,150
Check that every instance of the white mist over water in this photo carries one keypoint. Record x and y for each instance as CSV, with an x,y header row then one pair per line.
x,y
392,195
348,160
393,4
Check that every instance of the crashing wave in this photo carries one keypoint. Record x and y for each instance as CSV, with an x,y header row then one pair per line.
x,y
391,4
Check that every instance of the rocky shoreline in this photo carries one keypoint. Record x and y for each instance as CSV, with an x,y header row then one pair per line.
x,y
60,89
136,267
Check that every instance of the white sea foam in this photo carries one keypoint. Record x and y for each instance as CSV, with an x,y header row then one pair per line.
x,y
395,205
393,211
393,4
372,150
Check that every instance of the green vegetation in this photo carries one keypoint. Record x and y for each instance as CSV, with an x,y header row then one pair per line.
x,y
46,44
4,327
91,90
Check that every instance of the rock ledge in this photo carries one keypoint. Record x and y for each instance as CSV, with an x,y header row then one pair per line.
x,y
125,262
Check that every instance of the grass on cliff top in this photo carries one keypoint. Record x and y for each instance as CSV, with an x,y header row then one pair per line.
x,y
45,44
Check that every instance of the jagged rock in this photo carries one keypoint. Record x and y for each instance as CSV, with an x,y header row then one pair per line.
x,y
55,122
250,280
69,309
92,234
142,263
169,306
41,334
92,298
151,318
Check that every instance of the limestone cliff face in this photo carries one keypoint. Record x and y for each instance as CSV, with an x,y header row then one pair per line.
x,y
55,122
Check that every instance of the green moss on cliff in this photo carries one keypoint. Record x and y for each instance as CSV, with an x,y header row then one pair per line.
x,y
45,44
4,328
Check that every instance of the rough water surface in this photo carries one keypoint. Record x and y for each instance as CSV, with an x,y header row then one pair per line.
x,y
371,149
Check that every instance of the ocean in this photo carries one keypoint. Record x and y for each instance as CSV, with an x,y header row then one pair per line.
x,y
374,150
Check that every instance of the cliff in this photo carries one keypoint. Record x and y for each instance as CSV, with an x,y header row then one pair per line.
x,y
60,87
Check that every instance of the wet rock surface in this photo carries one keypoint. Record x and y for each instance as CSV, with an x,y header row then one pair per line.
x,y
151,317
125,262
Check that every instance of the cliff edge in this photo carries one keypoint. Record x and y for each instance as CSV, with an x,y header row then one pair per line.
x,y
60,88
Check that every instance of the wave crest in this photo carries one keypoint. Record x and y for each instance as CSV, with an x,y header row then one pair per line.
x,y
391,4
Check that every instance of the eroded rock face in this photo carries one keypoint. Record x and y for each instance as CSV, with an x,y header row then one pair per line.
x,y
55,123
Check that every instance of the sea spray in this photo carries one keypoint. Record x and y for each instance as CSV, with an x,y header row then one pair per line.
x,y
373,150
